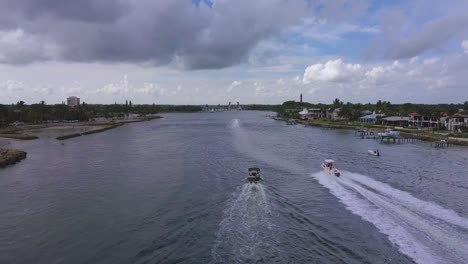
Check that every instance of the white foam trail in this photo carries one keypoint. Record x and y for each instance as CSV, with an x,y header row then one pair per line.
x,y
246,229
235,123
423,230
245,145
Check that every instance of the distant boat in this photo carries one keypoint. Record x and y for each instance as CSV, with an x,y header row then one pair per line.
x,y
374,152
212,110
329,167
291,122
389,133
254,175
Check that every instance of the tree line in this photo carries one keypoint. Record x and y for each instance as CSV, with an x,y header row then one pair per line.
x,y
41,112
352,111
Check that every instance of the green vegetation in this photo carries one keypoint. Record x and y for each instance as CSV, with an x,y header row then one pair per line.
x,y
352,111
41,112
259,107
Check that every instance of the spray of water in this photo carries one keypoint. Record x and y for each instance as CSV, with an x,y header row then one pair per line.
x,y
425,231
246,232
235,123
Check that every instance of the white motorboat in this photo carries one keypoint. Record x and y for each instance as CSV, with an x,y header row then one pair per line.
x,y
389,133
291,122
254,175
329,167
374,152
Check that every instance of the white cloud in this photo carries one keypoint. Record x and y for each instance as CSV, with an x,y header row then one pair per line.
x,y
323,31
18,47
11,86
42,91
431,61
405,33
233,85
148,88
375,72
333,70
118,88
430,80
414,59
464,45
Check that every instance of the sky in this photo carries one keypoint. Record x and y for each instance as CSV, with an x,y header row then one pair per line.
x,y
220,51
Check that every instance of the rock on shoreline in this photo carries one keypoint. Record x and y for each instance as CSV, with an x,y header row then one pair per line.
x,y
11,156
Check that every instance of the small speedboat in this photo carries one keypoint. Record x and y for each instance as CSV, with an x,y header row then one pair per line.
x,y
389,133
329,167
291,122
374,152
254,175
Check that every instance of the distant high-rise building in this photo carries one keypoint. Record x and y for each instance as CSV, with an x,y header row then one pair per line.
x,y
300,99
73,101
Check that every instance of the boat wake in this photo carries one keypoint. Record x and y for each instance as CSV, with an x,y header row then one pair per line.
x,y
235,123
245,145
246,234
425,231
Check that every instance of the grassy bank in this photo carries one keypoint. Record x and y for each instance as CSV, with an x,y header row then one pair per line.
x,y
15,133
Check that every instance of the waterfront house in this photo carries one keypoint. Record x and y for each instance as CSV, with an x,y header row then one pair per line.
x,y
372,118
335,114
420,121
311,114
400,121
456,121
292,110
366,112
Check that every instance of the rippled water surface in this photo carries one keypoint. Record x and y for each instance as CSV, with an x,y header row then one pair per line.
x,y
174,191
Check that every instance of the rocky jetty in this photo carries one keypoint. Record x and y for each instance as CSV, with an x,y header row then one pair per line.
x,y
93,131
10,157
19,136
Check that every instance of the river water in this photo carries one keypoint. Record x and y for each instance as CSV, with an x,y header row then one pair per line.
x,y
174,191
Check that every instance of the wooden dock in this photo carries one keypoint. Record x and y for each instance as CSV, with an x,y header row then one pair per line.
x,y
397,139
374,134
440,144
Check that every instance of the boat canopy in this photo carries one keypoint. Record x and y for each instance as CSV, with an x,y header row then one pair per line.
x,y
329,161
254,169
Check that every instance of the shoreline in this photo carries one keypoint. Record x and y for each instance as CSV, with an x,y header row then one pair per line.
x,y
76,129
107,126
427,136
18,136
73,135
12,156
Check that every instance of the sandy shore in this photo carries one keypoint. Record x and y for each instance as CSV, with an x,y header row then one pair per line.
x,y
60,130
